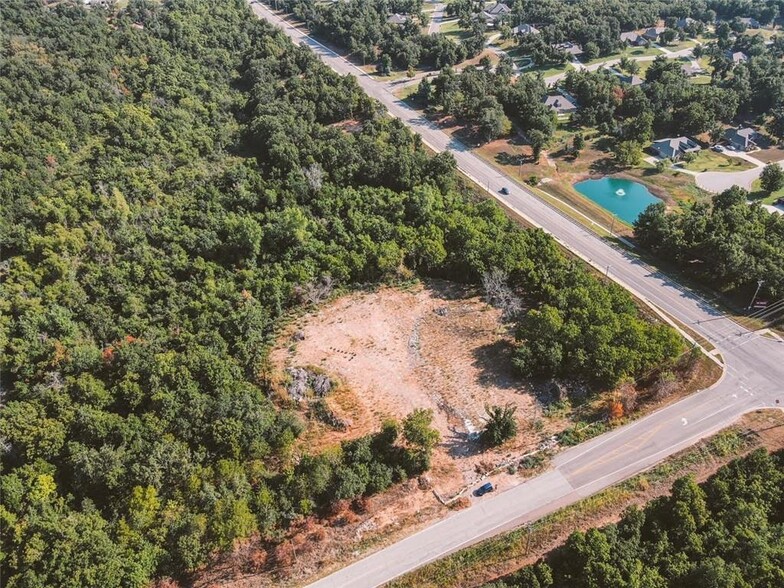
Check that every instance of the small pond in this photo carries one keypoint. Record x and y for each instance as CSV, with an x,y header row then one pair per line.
x,y
624,198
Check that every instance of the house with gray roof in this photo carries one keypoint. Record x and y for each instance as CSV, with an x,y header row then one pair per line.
x,y
653,33
495,14
692,69
736,57
560,104
632,80
522,30
682,23
751,23
675,148
742,138
633,38
572,49
397,19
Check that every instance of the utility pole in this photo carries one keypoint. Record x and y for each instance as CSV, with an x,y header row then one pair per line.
x,y
612,226
753,298
607,273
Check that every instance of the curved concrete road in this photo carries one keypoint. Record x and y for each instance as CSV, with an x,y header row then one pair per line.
x,y
753,377
720,181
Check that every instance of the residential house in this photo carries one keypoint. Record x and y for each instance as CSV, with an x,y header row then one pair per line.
x,y
682,23
572,49
692,69
633,38
560,104
751,23
675,148
632,80
495,14
653,33
736,57
525,29
742,139
397,19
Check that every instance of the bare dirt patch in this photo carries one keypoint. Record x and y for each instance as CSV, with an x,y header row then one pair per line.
x,y
438,346
769,153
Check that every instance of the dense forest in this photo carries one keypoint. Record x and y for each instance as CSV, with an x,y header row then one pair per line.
x,y
725,533
488,100
361,28
726,243
175,178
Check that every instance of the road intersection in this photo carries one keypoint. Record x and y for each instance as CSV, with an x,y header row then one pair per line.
x,y
753,376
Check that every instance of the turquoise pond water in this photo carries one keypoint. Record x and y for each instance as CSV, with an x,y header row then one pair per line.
x,y
624,198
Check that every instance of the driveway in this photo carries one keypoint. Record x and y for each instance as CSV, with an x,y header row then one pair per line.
x,y
436,18
720,181
500,52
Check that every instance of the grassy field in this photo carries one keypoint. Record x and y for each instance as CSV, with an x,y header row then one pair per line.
x,y
450,28
759,195
629,52
549,71
546,70
406,91
708,160
672,185
680,45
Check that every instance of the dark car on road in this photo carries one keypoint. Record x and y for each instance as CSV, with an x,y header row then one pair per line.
x,y
504,190
484,489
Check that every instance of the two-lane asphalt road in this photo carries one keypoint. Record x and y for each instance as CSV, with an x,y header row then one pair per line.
x,y
753,377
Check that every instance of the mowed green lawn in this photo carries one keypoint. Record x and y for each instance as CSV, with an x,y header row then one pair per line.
x,y
708,160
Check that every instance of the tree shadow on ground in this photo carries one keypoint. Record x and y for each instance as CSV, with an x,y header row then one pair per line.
x,y
459,444
606,166
506,158
494,362
447,290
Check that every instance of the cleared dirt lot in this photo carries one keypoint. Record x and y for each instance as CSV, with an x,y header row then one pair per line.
x,y
437,346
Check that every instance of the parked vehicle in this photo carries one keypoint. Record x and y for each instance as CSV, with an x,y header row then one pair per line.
x,y
717,148
484,489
